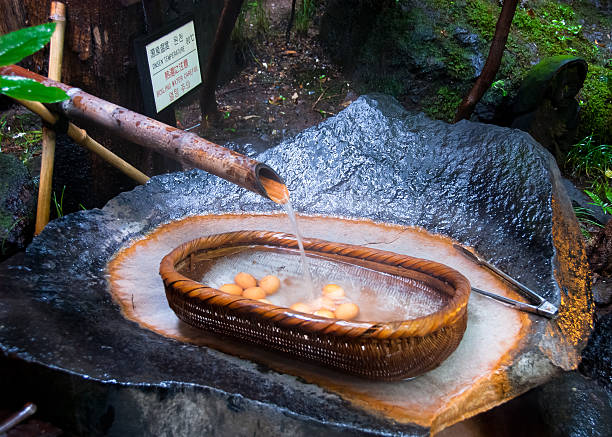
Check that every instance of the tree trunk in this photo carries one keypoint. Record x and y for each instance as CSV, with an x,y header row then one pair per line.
x,y
98,57
231,10
290,23
492,64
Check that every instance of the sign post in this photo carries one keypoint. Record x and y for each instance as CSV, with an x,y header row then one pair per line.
x,y
168,65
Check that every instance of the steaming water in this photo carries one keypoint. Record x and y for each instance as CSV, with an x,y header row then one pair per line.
x,y
380,296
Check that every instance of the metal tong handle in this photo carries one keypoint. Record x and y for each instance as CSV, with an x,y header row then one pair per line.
x,y
27,410
542,307
546,309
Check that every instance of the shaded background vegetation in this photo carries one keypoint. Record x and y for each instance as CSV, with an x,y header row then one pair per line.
x,y
428,52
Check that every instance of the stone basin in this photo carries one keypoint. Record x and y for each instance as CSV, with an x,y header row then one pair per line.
x,y
84,321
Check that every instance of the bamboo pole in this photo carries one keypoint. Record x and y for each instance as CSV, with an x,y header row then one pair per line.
x,y
80,137
56,48
183,146
56,51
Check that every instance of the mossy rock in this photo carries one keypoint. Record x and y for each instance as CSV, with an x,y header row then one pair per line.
x,y
555,77
17,205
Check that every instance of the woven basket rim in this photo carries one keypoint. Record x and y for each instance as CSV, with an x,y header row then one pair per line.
x,y
450,313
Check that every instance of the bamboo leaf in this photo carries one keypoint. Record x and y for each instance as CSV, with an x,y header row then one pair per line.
x,y
28,89
17,45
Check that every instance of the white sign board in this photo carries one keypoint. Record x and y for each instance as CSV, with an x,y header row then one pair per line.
x,y
174,65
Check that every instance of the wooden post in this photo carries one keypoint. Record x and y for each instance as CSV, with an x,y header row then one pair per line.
x,y
58,16
290,23
231,10
153,21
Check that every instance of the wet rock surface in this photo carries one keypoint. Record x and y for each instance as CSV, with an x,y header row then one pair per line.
x,y
579,198
17,205
573,405
485,186
570,405
597,356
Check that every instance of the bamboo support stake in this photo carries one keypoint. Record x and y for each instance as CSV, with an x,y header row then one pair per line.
x,y
80,137
56,48
56,51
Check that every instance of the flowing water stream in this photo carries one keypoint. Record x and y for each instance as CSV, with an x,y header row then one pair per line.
x,y
278,192
305,265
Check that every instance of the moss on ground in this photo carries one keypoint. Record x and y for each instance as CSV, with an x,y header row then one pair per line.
x,y
444,104
481,15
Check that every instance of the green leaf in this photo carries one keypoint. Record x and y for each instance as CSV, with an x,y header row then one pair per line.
x,y
17,45
28,89
594,197
597,201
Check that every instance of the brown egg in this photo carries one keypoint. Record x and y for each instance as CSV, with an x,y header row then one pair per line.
x,y
301,307
347,311
333,291
324,313
245,280
254,293
234,289
270,284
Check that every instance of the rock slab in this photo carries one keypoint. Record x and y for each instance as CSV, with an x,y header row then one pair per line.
x,y
491,188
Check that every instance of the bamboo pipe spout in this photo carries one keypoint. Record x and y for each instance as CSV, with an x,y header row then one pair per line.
x,y
184,146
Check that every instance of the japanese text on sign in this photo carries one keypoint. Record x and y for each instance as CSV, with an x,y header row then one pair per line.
x,y
173,65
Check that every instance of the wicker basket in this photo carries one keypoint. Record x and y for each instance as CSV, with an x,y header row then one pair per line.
x,y
375,350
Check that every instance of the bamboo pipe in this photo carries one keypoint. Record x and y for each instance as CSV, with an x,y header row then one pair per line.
x,y
184,146
56,51
80,137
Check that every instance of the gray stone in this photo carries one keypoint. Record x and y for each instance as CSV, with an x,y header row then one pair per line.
x,y
17,205
488,187
579,198
602,291
477,61
465,37
605,6
570,405
597,356
575,406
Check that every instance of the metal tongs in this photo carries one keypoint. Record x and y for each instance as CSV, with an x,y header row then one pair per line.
x,y
541,307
